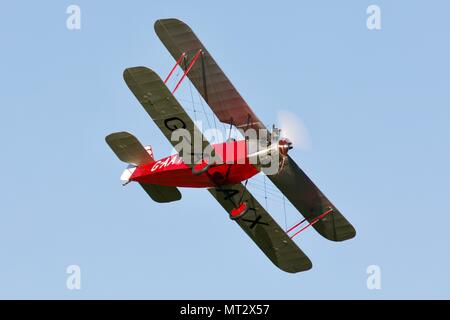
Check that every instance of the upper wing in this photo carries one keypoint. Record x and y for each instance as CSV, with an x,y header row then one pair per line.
x,y
163,108
311,202
263,230
206,75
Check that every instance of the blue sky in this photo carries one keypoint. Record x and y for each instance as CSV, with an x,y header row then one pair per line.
x,y
376,105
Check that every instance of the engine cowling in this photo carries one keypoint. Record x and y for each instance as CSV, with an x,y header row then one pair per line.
x,y
284,145
277,150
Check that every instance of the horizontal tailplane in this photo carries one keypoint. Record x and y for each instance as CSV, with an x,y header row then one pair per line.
x,y
128,149
162,193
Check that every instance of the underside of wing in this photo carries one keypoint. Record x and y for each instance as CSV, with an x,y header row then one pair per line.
x,y
164,109
206,75
311,202
263,229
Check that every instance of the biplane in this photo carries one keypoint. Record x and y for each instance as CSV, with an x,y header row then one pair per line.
x,y
227,180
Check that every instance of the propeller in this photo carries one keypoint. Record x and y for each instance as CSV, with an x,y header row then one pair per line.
x,y
294,129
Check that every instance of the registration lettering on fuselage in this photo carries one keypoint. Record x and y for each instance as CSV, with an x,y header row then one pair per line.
x,y
164,163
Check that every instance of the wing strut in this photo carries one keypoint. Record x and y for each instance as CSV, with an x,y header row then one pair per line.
x,y
323,215
205,88
187,70
175,66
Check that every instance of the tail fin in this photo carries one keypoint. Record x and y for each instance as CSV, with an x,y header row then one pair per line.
x,y
128,149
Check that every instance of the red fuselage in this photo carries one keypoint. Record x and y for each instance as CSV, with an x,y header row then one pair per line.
x,y
172,171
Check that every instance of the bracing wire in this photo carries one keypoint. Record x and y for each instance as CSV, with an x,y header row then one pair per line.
x,y
204,112
270,196
285,216
265,193
192,98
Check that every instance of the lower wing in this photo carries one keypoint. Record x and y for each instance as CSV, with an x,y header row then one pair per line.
x,y
262,229
311,202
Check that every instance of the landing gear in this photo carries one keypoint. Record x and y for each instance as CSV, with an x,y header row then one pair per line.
x,y
239,211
